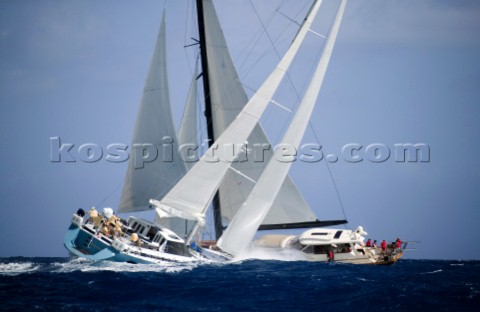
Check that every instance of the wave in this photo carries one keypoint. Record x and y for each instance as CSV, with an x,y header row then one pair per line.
x,y
15,268
70,265
85,265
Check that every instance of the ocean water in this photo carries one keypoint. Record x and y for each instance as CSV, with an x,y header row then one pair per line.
x,y
72,284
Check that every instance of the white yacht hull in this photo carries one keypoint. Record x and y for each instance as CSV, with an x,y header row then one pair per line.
x,y
333,245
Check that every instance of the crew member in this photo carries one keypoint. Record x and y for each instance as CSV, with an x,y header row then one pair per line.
x,y
384,245
399,242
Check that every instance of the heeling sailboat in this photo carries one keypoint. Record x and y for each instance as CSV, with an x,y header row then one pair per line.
x,y
181,212
109,237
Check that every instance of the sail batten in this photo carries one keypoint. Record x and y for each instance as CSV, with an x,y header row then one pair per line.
x,y
241,231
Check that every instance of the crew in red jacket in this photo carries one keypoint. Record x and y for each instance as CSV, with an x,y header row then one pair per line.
x,y
369,243
399,242
384,245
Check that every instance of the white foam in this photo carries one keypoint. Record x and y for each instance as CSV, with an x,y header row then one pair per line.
x,y
262,253
15,268
364,279
85,265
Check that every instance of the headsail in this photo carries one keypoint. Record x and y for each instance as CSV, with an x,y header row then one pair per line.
x,y
188,132
228,98
244,225
187,140
151,173
192,194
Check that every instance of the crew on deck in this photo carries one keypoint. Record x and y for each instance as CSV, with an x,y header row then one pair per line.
x,y
384,246
95,217
136,240
399,243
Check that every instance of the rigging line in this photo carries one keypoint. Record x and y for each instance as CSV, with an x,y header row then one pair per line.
x,y
265,30
326,162
109,195
290,19
305,83
273,46
254,41
330,173
259,34
188,17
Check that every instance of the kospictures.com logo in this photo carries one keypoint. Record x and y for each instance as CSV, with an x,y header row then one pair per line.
x,y
143,153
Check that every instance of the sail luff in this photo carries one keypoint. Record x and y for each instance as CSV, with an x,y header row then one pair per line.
x,y
240,232
194,192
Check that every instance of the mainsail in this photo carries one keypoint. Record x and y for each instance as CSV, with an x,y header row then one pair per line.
x,y
244,225
192,194
151,172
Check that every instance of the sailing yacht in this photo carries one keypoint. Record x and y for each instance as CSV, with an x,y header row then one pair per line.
x,y
244,194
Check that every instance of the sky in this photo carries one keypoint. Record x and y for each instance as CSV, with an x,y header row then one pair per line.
x,y
401,72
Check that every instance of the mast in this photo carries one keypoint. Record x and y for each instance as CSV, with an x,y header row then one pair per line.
x,y
217,214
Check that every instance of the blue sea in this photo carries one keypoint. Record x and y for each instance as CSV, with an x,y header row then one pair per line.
x,y
72,284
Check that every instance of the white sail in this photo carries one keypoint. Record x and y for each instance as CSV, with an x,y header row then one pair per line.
x,y
192,194
188,132
154,165
228,98
244,225
187,138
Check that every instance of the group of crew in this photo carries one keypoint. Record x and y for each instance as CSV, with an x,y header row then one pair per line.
x,y
110,227
383,244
